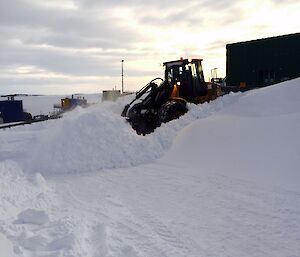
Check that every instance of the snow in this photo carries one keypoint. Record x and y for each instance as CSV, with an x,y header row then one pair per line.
x,y
223,180
31,216
256,135
6,246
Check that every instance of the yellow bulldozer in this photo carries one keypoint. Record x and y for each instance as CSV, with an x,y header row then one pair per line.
x,y
163,100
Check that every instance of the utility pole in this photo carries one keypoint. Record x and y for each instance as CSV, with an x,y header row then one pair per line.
x,y
122,77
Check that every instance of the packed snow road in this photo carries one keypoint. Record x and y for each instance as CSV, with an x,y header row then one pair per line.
x,y
223,180
165,210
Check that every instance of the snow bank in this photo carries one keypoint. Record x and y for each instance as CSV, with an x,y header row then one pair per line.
x,y
254,138
279,99
247,126
98,137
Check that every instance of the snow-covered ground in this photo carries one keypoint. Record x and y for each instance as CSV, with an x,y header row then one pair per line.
x,y
223,180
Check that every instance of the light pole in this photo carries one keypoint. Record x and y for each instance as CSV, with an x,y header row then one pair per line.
x,y
122,77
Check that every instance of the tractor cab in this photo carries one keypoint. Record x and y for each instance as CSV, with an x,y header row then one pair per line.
x,y
186,76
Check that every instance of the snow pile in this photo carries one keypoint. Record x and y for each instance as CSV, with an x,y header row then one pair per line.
x,y
98,137
254,138
280,99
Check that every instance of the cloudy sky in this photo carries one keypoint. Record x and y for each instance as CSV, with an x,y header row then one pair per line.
x,y
69,46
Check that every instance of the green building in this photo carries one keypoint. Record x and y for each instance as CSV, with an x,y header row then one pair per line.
x,y
263,62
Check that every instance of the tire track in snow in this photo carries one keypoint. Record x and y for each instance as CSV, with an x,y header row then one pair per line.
x,y
124,232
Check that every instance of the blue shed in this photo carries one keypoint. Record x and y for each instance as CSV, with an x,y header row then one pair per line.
x,y
11,110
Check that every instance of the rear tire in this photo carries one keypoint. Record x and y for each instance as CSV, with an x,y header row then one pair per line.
x,y
171,110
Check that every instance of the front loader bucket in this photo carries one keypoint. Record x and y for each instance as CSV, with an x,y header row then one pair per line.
x,y
124,112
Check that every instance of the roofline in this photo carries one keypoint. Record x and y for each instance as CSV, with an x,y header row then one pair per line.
x,y
265,39
187,60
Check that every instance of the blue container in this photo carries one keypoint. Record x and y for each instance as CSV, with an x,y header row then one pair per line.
x,y
11,110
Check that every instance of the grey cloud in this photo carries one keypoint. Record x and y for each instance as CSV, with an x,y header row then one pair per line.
x,y
59,62
68,63
280,2
46,85
154,4
217,6
65,40
65,22
25,27
162,6
217,45
176,17
17,81
193,13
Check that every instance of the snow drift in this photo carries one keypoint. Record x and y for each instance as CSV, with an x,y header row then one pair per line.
x,y
253,138
98,137
256,129
223,180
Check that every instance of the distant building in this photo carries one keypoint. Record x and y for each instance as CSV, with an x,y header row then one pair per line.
x,y
110,95
263,62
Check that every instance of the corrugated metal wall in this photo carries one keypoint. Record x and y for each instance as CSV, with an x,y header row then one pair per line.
x,y
263,62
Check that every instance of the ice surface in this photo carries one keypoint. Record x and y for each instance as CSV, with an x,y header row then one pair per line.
x,y
223,180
